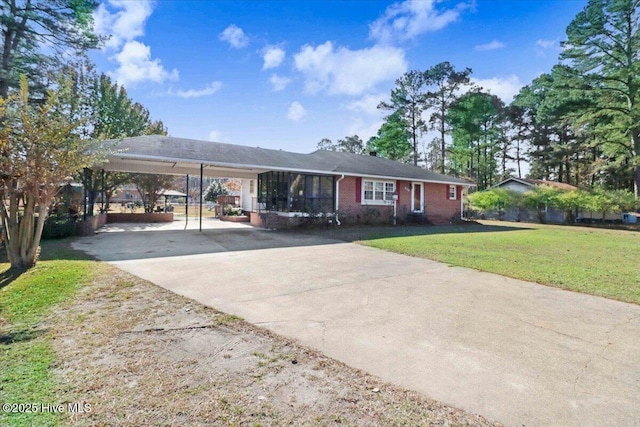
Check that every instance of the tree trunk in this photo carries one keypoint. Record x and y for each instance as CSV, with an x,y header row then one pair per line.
x,y
442,135
635,141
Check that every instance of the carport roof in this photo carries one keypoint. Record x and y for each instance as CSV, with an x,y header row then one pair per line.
x,y
180,156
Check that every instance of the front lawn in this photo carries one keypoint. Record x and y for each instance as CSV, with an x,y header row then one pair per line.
x,y
590,260
26,355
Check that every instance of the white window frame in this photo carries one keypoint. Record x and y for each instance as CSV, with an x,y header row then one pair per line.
x,y
453,192
388,190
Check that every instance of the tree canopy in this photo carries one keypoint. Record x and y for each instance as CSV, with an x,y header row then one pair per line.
x,y
40,148
39,35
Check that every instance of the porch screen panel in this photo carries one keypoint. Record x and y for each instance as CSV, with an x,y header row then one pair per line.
x,y
295,192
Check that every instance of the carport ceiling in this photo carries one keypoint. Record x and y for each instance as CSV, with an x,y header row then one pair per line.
x,y
125,164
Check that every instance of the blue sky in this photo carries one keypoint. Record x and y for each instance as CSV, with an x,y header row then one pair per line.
x,y
285,74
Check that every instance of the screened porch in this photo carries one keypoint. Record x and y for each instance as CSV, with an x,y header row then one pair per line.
x,y
296,192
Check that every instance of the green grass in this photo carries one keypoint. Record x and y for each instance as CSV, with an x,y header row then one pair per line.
x,y
26,356
590,260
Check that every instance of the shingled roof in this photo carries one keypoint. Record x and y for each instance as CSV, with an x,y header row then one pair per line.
x,y
158,148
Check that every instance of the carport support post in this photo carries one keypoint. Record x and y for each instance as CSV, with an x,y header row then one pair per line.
x,y
201,182
186,205
102,195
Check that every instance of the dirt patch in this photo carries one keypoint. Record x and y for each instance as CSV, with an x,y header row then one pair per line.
x,y
140,355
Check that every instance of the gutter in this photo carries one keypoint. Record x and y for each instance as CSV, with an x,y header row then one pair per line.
x,y
338,199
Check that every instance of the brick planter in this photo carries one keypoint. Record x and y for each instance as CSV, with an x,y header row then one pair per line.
x,y
140,217
234,218
92,223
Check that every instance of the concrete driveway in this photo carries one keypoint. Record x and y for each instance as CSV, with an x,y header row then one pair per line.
x,y
513,351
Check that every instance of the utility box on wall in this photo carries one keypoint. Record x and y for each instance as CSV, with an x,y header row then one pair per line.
x,y
630,217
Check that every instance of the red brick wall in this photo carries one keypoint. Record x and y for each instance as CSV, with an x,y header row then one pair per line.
x,y
353,211
140,217
437,203
436,197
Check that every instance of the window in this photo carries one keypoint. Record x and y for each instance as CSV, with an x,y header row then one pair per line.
x,y
452,192
252,186
378,191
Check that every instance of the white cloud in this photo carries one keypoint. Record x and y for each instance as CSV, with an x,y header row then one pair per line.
x,y
495,44
278,83
504,87
409,19
543,46
234,36
121,20
215,135
296,111
364,129
367,104
351,72
210,89
273,57
136,65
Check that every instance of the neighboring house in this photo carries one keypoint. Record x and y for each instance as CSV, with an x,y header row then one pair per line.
x,y
127,193
522,185
282,187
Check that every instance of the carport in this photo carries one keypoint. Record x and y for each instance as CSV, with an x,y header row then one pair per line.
x,y
142,155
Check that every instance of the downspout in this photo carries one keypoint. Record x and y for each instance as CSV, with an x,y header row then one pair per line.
x,y
338,198
461,203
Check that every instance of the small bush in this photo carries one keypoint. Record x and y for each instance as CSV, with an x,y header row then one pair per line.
x,y
231,211
58,227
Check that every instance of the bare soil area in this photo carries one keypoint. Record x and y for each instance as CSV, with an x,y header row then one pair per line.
x,y
142,356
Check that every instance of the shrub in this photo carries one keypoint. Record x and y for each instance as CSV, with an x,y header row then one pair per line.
x,y
58,227
231,211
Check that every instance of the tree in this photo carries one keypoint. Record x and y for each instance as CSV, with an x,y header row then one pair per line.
x,y
603,46
150,187
444,83
349,144
572,202
215,189
392,141
495,198
541,198
39,150
516,117
478,139
112,114
38,35
408,102
558,138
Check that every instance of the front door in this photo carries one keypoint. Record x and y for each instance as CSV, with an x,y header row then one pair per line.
x,y
417,200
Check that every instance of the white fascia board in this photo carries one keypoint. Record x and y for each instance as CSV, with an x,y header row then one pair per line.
x,y
404,178
124,156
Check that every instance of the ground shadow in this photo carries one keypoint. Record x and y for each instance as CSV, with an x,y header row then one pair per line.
x,y
19,336
61,249
126,245
121,246
8,276
359,233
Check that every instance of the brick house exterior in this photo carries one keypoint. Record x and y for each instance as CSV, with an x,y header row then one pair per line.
x,y
282,188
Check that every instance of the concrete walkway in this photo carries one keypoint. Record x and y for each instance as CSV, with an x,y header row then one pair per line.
x,y
513,351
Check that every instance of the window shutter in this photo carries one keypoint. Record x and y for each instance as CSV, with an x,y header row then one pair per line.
x,y
459,192
358,189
